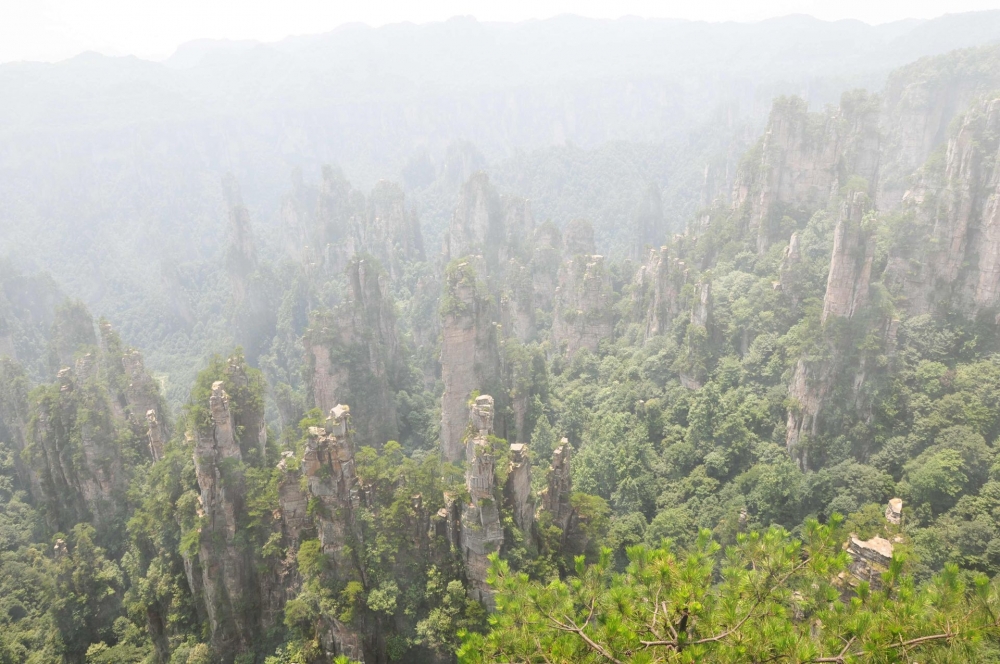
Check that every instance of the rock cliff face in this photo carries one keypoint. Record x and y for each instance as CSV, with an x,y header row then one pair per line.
x,y
391,232
469,355
545,261
325,477
920,101
851,262
803,159
226,567
952,257
847,289
667,275
517,490
583,313
355,355
236,595
559,487
497,227
481,533
76,437
326,226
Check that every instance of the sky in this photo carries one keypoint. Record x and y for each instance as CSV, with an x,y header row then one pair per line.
x,y
52,30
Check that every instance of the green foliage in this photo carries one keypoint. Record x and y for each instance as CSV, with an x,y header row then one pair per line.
x,y
768,597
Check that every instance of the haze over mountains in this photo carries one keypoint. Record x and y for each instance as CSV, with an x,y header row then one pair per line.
x,y
360,347
103,159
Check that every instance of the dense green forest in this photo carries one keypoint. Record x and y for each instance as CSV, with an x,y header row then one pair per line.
x,y
770,436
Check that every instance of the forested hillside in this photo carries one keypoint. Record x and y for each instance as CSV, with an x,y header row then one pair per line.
x,y
766,434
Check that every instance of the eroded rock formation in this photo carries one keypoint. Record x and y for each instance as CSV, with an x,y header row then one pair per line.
x,y
354,354
517,490
559,488
803,160
480,531
469,355
583,313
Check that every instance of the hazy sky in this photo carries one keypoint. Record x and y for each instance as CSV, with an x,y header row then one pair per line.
x,y
56,29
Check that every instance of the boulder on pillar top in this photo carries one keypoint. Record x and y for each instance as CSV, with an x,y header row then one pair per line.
x,y
336,423
481,414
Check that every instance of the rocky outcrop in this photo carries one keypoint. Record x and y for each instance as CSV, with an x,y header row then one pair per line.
x,y
497,227
951,257
667,275
75,435
325,226
144,405
355,356
869,560
545,261
325,476
894,511
920,101
517,489
480,532
391,232
559,488
583,305
803,160
226,566
851,263
847,290
469,355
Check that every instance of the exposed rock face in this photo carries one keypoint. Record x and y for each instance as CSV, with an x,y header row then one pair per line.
x,y
481,533
668,275
869,561
894,511
79,476
920,102
72,331
851,262
15,414
326,226
355,355
583,305
559,487
225,565
326,474
789,277
74,430
469,356
242,258
809,388
143,399
517,490
802,160
391,232
953,256
497,227
517,304
847,289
